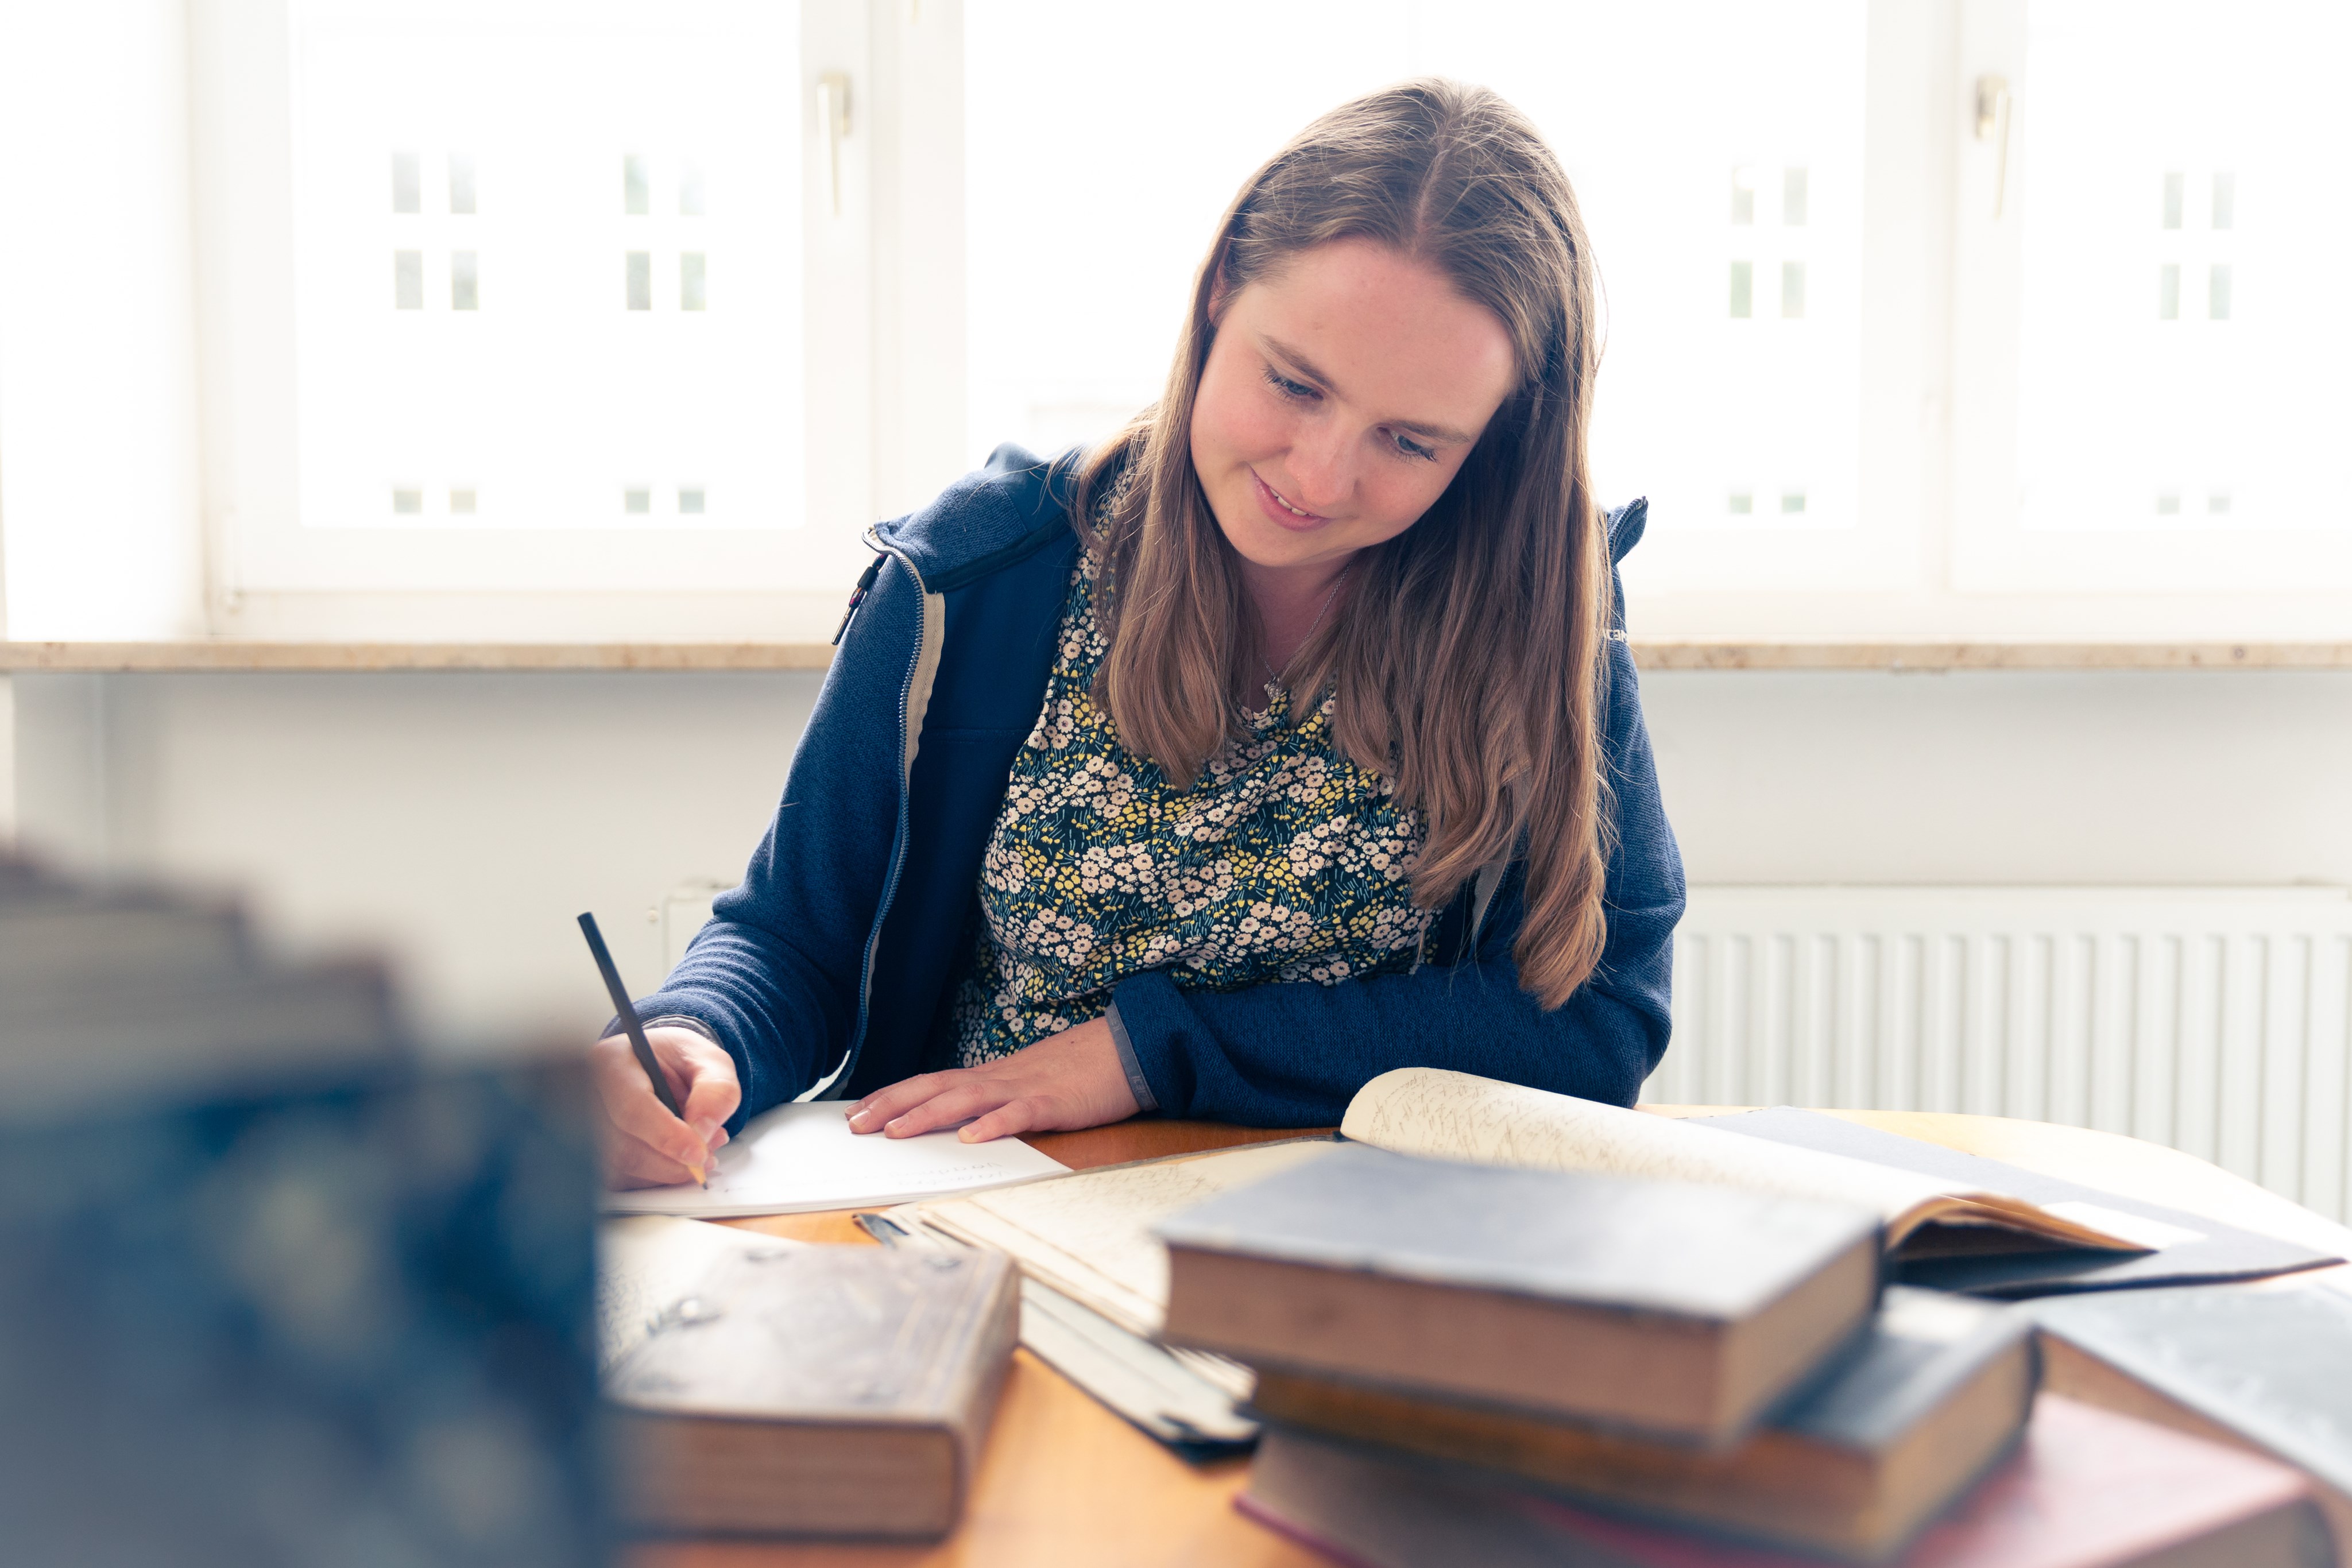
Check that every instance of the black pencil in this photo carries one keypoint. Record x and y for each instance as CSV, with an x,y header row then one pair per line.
x,y
630,1022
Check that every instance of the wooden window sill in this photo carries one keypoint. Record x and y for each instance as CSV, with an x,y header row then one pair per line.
x,y
223,656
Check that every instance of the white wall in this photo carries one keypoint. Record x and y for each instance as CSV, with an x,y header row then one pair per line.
x,y
2232,777
97,406
461,821
464,819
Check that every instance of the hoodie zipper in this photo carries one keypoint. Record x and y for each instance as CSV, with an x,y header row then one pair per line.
x,y
858,596
837,1084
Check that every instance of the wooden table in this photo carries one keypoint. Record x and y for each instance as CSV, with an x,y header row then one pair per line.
x,y
1063,1481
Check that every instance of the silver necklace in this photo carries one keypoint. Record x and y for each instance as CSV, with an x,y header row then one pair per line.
x,y
1314,626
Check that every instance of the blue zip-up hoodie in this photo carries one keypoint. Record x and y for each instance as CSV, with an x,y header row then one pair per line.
x,y
831,964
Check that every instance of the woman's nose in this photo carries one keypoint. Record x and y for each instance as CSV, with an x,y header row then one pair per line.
x,y
1321,468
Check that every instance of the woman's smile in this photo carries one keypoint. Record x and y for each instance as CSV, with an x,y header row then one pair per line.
x,y
1279,509
1359,376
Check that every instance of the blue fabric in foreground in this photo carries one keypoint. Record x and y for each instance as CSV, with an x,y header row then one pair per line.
x,y
867,863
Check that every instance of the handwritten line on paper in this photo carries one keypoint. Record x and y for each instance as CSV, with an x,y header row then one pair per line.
x,y
800,1157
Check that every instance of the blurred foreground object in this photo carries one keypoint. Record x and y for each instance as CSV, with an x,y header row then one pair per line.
x,y
272,1289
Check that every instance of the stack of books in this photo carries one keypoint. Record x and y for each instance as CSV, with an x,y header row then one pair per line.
x,y
274,1285
1461,1364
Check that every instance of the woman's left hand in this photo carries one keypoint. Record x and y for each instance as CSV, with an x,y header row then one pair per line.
x,y
1064,1082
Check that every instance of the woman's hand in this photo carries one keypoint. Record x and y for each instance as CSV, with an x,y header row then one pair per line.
x,y
644,1145
1067,1081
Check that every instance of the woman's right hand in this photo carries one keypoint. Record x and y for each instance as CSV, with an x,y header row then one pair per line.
x,y
644,1145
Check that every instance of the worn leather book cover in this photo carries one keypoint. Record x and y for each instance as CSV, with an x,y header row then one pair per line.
x,y
1935,1391
833,1391
1679,1310
2265,1369
2086,1488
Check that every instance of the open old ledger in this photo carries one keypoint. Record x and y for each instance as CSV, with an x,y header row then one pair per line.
x,y
1456,1116
1088,1235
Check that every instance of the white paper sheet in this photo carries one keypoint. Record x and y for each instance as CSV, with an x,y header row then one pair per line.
x,y
800,1157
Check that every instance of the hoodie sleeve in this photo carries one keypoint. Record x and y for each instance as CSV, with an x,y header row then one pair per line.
x,y
777,976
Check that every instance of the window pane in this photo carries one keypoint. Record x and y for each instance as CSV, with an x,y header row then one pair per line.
x,y
2198,144
559,385
1707,390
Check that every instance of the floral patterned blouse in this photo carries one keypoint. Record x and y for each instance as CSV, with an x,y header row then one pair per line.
x,y
1284,861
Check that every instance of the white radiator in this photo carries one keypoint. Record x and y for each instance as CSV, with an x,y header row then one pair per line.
x,y
2218,1021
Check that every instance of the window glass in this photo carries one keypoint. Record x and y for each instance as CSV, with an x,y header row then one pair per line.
x,y
1715,149
591,218
2184,319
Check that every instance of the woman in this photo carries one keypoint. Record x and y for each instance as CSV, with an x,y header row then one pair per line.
x,y
1290,738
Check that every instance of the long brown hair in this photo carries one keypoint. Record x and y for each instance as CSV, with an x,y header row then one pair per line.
x,y
1467,664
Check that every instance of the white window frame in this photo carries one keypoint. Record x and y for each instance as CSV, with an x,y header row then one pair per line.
x,y
2151,582
268,576
100,550
1761,577
1941,554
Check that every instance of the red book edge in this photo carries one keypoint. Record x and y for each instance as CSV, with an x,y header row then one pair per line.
x,y
1972,1526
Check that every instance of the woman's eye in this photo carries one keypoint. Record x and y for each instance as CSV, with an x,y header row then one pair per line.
x,y
1287,387
1412,448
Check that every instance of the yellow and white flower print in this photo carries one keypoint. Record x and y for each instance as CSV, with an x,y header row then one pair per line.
x,y
1285,863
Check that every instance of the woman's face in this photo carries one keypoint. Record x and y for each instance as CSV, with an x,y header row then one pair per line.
x,y
1340,397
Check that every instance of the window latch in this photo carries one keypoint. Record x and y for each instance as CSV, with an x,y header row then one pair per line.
x,y
1993,107
833,124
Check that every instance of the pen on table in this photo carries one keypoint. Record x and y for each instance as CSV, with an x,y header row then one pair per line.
x,y
642,1047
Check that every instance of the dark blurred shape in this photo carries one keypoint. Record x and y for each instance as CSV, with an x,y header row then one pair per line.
x,y
272,1289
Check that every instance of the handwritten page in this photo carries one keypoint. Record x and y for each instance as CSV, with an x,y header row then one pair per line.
x,y
1089,1235
646,1265
1456,1116
800,1157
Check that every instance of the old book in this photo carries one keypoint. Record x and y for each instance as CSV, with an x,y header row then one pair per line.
x,y
1458,1116
647,1264
831,1391
1660,1306
2183,1246
1166,1393
2086,1489
1090,1234
79,1048
1935,1391
273,1286
2270,1370
75,940
326,1322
